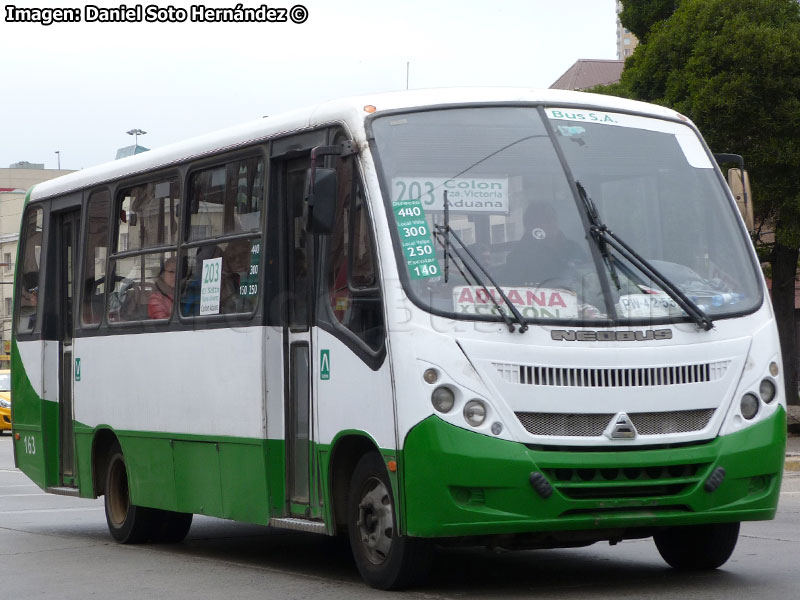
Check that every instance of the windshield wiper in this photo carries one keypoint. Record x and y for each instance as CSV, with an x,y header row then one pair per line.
x,y
604,236
447,232
594,219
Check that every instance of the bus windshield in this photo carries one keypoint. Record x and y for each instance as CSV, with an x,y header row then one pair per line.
x,y
505,175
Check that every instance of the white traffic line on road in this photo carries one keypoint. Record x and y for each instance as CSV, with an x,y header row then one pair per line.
x,y
49,510
22,495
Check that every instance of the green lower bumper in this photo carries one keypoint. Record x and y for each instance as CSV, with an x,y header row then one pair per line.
x,y
459,483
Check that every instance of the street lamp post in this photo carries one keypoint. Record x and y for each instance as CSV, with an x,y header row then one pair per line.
x,y
136,133
58,154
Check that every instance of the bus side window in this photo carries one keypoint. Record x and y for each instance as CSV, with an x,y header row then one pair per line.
x,y
354,296
94,267
141,279
29,271
226,199
222,277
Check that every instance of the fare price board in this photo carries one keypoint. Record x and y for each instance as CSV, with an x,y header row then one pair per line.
x,y
248,284
415,238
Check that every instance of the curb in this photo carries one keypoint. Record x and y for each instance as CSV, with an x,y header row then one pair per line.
x,y
792,463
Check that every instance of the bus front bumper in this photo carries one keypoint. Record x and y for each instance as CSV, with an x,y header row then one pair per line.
x,y
458,483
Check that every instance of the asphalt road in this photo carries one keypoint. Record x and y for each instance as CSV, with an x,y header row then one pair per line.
x,y
58,547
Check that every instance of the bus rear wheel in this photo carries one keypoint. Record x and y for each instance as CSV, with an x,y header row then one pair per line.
x,y
127,523
697,547
385,559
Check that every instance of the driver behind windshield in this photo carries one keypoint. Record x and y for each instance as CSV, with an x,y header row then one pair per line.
x,y
544,257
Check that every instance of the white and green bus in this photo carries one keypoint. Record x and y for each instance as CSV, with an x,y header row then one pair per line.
x,y
519,318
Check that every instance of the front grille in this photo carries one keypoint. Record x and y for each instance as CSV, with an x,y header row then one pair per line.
x,y
565,424
612,377
593,425
678,421
628,482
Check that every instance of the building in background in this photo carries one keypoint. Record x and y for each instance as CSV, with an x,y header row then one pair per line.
x,y
14,184
586,73
626,41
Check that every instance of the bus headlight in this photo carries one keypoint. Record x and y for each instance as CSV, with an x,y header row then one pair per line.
x,y
749,406
767,390
475,412
443,399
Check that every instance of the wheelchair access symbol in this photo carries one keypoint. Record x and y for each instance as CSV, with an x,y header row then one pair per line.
x,y
77,369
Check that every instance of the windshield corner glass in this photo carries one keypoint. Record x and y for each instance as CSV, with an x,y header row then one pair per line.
x,y
511,203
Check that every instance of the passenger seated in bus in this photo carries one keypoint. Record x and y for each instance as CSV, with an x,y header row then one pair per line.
x,y
190,297
544,256
29,301
159,306
235,265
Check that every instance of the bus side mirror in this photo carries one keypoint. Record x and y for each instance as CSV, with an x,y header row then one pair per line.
x,y
739,182
320,200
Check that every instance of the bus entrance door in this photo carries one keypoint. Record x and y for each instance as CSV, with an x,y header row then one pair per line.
x,y
298,352
67,229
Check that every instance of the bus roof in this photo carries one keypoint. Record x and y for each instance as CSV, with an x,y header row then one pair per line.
x,y
347,110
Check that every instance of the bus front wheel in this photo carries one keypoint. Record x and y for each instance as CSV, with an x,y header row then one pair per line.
x,y
127,523
385,559
170,527
697,547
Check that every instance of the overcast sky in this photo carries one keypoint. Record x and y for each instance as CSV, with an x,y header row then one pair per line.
x,y
78,87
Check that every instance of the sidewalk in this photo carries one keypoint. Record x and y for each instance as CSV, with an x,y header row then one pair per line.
x,y
793,439
792,452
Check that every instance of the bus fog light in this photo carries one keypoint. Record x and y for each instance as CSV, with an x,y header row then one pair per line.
x,y
497,428
773,369
443,399
749,406
430,375
475,412
767,390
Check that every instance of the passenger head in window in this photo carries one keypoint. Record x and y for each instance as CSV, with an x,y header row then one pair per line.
x,y
159,306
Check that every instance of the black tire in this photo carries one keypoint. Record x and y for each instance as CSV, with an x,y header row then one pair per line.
x,y
385,560
170,527
697,547
127,523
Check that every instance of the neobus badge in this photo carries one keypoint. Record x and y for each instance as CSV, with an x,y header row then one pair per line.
x,y
589,335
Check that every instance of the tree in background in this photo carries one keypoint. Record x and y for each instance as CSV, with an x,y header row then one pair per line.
x,y
734,69
638,16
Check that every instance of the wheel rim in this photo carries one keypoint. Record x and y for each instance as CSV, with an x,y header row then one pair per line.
x,y
375,521
118,499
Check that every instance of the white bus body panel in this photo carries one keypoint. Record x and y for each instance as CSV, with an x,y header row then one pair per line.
x,y
478,361
32,356
193,382
355,397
